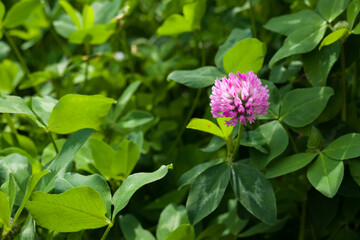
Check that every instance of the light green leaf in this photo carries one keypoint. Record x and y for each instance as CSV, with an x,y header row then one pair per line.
x,y
247,55
95,181
300,107
105,11
135,120
205,126
352,12
190,176
174,25
170,219
88,16
317,64
289,164
227,130
96,35
74,112
302,40
326,175
330,9
126,157
197,78
193,13
235,36
20,12
183,232
356,29
132,229
64,26
276,138
344,147
28,231
9,189
42,107
206,192
74,15
289,23
4,211
254,191
80,208
132,184
2,11
15,104
63,161
8,75
334,36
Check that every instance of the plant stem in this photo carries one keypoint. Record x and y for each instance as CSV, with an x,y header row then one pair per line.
x,y
12,127
355,80
252,15
191,111
293,143
302,221
344,84
52,141
63,46
107,231
87,52
17,52
237,144
202,50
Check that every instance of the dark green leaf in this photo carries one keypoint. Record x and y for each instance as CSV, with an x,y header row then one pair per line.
x,y
344,147
183,232
330,9
170,219
132,229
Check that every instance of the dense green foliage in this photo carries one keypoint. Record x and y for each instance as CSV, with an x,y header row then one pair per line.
x,y
106,130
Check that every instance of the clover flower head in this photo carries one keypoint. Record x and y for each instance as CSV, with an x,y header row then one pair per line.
x,y
241,97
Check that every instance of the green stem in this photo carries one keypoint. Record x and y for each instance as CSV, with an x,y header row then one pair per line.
x,y
344,84
237,144
355,80
252,15
191,111
52,141
17,52
302,221
63,46
87,52
293,143
12,127
107,231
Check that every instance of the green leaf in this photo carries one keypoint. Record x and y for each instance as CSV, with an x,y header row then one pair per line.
x,y
80,208
334,36
252,53
74,15
4,211
317,64
63,161
127,155
2,11
282,74
207,191
354,165
135,120
95,181
289,23
132,184
302,40
352,12
326,175
344,147
274,100
330,9
170,219
20,13
174,25
183,232
124,99
74,112
235,36
15,104
289,164
20,168
28,231
213,232
194,12
88,16
190,176
227,130
276,138
96,35
264,228
64,26
197,78
300,107
105,11
132,229
254,191
10,190
49,152
8,74
356,30
42,107
205,126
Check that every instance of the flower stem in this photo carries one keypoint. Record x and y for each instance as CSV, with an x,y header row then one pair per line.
x,y
237,144
252,15
17,52
344,84
107,231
